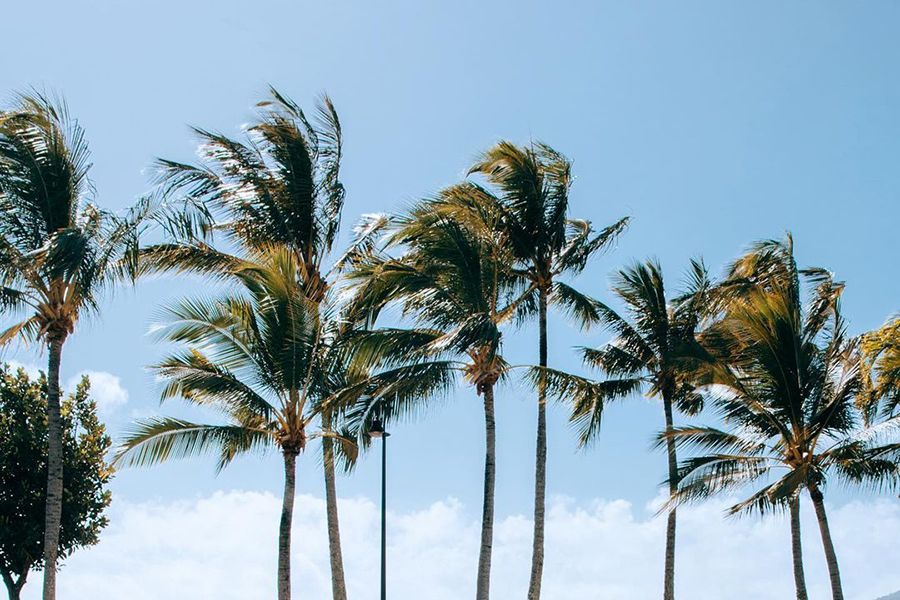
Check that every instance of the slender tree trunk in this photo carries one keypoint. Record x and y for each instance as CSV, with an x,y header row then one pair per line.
x,y
338,586
837,591
797,550
53,509
540,462
14,591
14,587
669,578
483,587
284,531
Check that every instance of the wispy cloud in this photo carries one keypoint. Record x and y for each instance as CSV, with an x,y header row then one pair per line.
x,y
222,547
106,389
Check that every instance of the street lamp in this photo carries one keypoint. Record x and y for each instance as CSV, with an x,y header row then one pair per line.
x,y
377,431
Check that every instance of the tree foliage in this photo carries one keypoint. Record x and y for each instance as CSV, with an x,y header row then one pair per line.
x,y
23,473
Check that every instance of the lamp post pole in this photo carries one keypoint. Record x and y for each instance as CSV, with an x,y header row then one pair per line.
x,y
377,431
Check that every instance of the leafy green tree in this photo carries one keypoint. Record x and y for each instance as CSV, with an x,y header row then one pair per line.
x,y
58,254
23,474
269,360
533,196
649,353
786,378
453,282
279,185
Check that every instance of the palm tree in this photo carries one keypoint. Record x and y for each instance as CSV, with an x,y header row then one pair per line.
x,y
649,353
59,253
270,360
280,185
881,369
454,281
533,184
786,377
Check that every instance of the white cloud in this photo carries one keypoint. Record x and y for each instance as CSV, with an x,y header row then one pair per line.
x,y
32,369
106,389
222,547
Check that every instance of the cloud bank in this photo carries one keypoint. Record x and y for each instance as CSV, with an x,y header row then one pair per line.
x,y
222,547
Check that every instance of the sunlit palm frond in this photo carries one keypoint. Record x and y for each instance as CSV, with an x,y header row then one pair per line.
x,y
156,440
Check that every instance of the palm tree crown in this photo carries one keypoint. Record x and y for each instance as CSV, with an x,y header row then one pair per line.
x,y
280,185
453,280
58,250
269,360
881,369
649,350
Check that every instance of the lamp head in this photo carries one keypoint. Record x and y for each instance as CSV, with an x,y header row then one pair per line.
x,y
376,430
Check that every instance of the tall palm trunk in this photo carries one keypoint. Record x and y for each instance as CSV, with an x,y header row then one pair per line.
x,y
483,587
540,462
837,591
284,531
669,581
53,509
797,550
338,586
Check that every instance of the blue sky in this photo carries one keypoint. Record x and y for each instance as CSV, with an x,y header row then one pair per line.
x,y
711,123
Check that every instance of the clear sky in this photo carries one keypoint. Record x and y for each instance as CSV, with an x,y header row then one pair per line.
x,y
711,123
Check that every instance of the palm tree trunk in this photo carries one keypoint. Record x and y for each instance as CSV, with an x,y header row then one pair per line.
x,y
338,586
53,508
669,578
540,462
837,591
284,531
797,550
483,586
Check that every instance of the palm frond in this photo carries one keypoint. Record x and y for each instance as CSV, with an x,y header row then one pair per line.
x,y
157,440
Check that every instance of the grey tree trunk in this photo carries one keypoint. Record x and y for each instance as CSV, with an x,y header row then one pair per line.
x,y
797,550
540,462
338,585
483,585
669,578
284,530
53,509
834,574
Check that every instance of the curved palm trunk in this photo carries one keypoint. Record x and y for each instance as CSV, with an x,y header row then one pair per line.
x,y
540,463
338,586
669,582
483,586
53,509
284,530
837,591
797,550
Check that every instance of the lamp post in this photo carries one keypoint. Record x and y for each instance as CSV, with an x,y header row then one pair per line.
x,y
377,431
